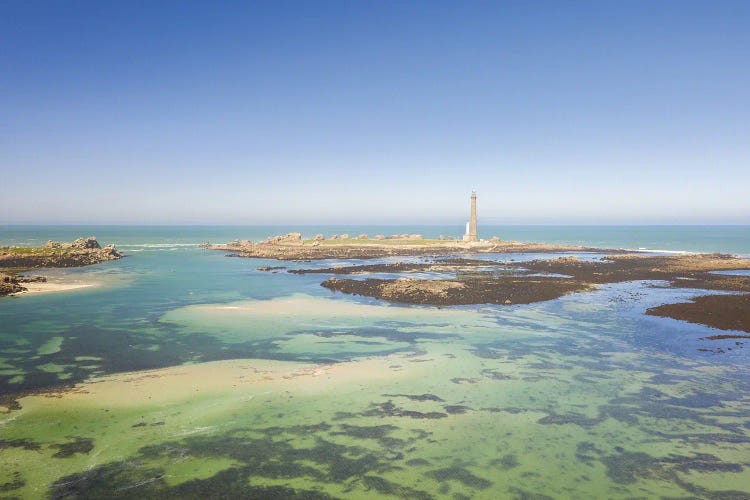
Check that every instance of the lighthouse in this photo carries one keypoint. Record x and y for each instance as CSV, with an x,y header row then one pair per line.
x,y
471,227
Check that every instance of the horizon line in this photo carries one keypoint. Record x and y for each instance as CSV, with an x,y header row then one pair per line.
x,y
539,224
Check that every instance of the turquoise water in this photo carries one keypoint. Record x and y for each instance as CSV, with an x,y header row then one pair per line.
x,y
581,397
726,239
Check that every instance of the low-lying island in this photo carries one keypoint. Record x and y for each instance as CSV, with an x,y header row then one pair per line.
x,y
292,246
459,280
80,252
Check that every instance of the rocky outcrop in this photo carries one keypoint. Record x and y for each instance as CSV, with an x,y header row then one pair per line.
x,y
506,291
292,247
89,243
111,252
478,282
81,252
10,284
286,239
85,243
725,312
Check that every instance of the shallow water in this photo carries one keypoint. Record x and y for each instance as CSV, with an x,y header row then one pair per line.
x,y
198,375
740,272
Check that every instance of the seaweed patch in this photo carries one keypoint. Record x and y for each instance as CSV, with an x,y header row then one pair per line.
x,y
77,445
460,474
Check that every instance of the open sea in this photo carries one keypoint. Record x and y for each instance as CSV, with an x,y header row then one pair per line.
x,y
177,372
725,239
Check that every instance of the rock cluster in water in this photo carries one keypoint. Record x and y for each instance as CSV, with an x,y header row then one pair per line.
x,y
82,243
10,284
80,252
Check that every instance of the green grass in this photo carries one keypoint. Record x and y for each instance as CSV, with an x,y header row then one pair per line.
x,y
33,250
21,250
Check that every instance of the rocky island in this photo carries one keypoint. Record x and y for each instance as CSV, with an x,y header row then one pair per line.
x,y
292,246
81,252
525,282
459,280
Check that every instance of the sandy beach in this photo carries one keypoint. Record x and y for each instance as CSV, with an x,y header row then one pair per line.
x,y
53,286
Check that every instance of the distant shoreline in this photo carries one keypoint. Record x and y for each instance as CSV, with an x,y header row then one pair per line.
x,y
292,246
734,239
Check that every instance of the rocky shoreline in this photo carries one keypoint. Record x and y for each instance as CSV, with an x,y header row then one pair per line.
x,y
507,283
81,252
292,246
487,282
10,284
534,281
724,312
507,291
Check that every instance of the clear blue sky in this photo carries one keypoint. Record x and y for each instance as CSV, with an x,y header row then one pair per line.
x,y
374,112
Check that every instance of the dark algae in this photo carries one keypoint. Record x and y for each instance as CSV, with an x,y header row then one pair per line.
x,y
725,312
461,475
77,445
124,480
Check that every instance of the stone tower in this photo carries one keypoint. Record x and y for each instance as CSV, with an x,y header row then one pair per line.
x,y
471,234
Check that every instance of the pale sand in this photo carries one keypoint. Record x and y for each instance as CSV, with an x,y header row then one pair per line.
x,y
42,287
232,378
63,280
300,304
275,318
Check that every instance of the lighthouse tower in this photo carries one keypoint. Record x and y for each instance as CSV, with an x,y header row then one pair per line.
x,y
471,227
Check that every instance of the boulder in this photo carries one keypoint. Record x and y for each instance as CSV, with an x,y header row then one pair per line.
x,y
285,239
335,237
362,237
495,239
111,251
379,237
53,244
85,243
319,237
416,237
344,236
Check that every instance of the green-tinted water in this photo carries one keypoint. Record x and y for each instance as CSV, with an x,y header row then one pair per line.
x,y
198,376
